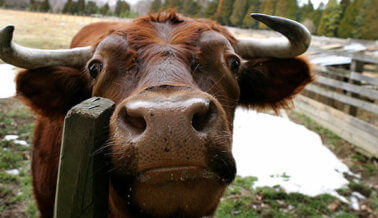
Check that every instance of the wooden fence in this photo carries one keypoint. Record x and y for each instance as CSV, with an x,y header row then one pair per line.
x,y
345,101
82,185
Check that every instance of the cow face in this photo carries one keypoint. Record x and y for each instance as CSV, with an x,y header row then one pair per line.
x,y
176,83
171,130
176,92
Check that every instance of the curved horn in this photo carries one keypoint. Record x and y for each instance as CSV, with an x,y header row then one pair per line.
x,y
30,58
297,39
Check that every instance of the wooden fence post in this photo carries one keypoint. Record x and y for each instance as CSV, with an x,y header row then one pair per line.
x,y
355,67
82,184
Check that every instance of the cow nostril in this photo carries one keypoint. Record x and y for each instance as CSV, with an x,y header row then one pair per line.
x,y
202,118
134,121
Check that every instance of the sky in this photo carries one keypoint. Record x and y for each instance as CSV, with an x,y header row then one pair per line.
x,y
314,2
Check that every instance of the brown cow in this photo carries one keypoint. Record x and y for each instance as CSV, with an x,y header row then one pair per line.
x,y
176,82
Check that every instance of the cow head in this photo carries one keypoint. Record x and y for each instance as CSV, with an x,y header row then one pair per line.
x,y
176,82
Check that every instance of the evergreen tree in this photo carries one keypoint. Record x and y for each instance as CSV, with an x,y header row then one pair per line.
x,y
69,7
176,4
45,6
248,21
321,6
117,10
155,6
306,11
292,9
266,7
217,16
81,6
330,20
65,7
33,6
286,8
1,3
211,9
369,27
347,23
316,16
91,8
224,11
191,8
240,8
122,8
344,5
359,19
281,8
105,9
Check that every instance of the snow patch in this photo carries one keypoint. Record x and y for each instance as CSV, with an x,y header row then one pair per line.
x,y
355,47
13,172
354,203
7,84
280,152
10,137
21,142
14,138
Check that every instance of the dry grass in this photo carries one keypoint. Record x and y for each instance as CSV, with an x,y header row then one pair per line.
x,y
43,30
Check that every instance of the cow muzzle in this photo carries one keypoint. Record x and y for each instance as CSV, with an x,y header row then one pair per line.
x,y
177,146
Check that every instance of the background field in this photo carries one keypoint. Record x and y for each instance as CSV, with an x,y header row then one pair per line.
x,y
41,30
55,31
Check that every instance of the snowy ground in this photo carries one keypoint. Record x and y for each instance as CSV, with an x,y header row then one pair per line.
x,y
280,152
7,85
271,148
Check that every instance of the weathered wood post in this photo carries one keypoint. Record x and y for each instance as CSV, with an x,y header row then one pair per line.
x,y
82,185
355,67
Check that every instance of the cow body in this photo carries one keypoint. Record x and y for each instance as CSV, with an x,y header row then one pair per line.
x,y
176,82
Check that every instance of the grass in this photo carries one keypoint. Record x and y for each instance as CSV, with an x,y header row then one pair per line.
x,y
241,200
16,198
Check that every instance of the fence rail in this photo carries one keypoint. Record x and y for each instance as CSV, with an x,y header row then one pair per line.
x,y
356,131
355,56
341,99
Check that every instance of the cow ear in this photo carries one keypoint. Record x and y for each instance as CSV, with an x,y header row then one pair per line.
x,y
271,83
52,91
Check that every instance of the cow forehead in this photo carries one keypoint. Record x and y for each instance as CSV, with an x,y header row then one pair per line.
x,y
164,46
214,38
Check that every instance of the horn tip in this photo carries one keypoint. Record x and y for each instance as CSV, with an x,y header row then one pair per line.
x,y
7,28
258,16
6,32
6,35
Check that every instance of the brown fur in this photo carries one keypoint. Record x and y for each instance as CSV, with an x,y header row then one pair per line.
x,y
165,49
276,82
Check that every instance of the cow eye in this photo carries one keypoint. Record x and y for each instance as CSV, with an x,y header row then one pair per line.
x,y
233,64
94,68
